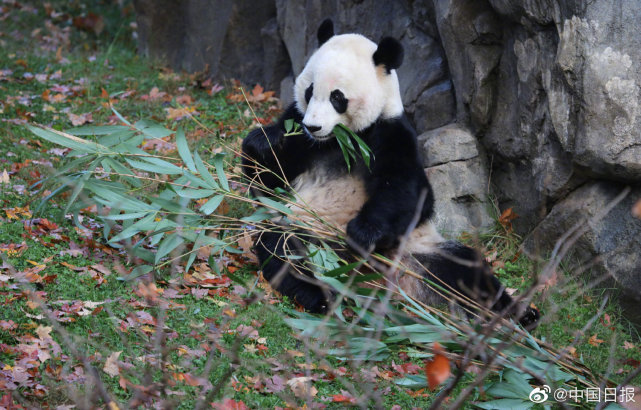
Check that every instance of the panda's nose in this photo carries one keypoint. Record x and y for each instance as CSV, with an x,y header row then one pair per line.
x,y
312,128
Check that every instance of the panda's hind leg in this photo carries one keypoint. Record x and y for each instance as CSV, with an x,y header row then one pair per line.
x,y
464,270
292,280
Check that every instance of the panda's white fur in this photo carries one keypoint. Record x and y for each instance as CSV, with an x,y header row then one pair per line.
x,y
345,62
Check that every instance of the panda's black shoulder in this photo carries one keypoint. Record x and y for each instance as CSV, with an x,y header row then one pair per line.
x,y
394,137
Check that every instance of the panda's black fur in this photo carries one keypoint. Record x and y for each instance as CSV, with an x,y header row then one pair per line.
x,y
394,185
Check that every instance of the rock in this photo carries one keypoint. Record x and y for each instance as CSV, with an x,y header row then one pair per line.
x,y
228,39
611,244
435,107
287,91
460,200
471,36
449,143
458,172
604,71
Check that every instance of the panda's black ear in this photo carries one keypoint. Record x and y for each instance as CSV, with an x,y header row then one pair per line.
x,y
389,53
325,31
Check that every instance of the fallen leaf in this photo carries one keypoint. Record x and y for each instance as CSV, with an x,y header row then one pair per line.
x,y
274,384
111,364
259,95
229,404
344,397
302,387
44,332
155,94
437,370
178,114
80,119
90,22
628,345
594,341
184,99
506,218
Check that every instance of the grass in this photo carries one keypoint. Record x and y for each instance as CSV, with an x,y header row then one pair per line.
x,y
78,269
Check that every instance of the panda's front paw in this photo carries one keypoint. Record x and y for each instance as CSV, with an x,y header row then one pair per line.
x,y
364,233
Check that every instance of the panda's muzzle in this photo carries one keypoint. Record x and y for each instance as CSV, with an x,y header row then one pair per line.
x,y
312,128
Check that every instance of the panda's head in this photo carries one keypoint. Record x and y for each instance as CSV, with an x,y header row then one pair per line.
x,y
349,80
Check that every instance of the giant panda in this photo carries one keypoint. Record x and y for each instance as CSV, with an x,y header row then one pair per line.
x,y
351,80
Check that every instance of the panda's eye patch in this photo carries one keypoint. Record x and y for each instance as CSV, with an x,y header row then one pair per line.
x,y
308,92
338,100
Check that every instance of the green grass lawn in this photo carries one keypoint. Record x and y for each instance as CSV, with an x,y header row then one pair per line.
x,y
64,294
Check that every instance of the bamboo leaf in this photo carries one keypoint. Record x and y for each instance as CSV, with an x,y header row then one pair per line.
x,y
195,193
183,150
274,205
120,117
204,172
97,130
68,140
211,205
220,171
170,243
152,129
342,269
137,272
143,225
117,138
514,404
158,167
123,217
198,243
123,170
289,125
80,184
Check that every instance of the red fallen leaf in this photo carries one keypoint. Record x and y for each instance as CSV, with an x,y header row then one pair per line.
x,y
406,368
437,370
632,362
506,218
192,381
90,22
104,94
344,397
229,404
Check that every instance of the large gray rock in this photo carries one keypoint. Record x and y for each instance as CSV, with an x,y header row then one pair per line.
x,y
611,243
600,56
458,171
471,36
225,38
